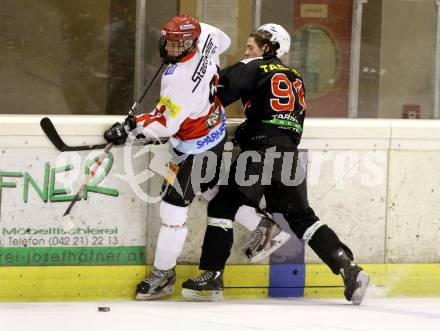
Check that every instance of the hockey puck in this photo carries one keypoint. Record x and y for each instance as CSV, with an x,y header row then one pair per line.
x,y
103,309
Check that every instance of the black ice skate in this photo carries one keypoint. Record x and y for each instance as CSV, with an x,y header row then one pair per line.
x,y
265,240
158,284
206,287
355,279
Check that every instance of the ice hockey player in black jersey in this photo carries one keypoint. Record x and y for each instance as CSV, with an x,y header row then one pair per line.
x,y
273,98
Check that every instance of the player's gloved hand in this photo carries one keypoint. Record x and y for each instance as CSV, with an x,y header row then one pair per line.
x,y
116,134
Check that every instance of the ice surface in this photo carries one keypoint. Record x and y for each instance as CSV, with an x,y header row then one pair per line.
x,y
270,314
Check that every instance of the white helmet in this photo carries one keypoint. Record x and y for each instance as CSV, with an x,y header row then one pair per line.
x,y
279,35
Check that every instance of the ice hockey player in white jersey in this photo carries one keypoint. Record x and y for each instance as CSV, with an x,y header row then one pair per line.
x,y
189,112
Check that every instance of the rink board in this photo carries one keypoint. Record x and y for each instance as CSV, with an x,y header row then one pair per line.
x,y
114,282
67,283
386,280
363,178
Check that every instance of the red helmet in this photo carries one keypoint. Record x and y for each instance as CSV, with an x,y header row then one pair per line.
x,y
182,29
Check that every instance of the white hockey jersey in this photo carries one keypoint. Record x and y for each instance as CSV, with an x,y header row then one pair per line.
x,y
188,110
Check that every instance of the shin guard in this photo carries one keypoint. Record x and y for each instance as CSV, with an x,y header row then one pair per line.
x,y
216,247
324,242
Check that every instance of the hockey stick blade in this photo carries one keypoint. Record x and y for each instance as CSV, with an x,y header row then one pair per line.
x,y
51,133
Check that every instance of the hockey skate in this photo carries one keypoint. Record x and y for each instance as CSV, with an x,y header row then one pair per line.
x,y
265,240
156,285
355,278
206,287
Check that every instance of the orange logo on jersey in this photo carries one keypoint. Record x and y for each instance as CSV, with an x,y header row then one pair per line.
x,y
173,169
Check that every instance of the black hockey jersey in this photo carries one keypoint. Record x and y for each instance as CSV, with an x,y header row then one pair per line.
x,y
272,95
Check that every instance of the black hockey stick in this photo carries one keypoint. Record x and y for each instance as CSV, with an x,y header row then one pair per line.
x,y
51,133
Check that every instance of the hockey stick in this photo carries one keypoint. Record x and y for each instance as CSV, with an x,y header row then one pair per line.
x,y
107,148
51,133
92,173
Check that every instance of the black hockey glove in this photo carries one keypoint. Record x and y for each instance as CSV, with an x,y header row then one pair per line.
x,y
116,134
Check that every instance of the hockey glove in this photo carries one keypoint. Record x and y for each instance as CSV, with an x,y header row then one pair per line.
x,y
116,134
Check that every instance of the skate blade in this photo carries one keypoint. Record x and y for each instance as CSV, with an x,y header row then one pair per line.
x,y
168,290
359,293
202,296
276,243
